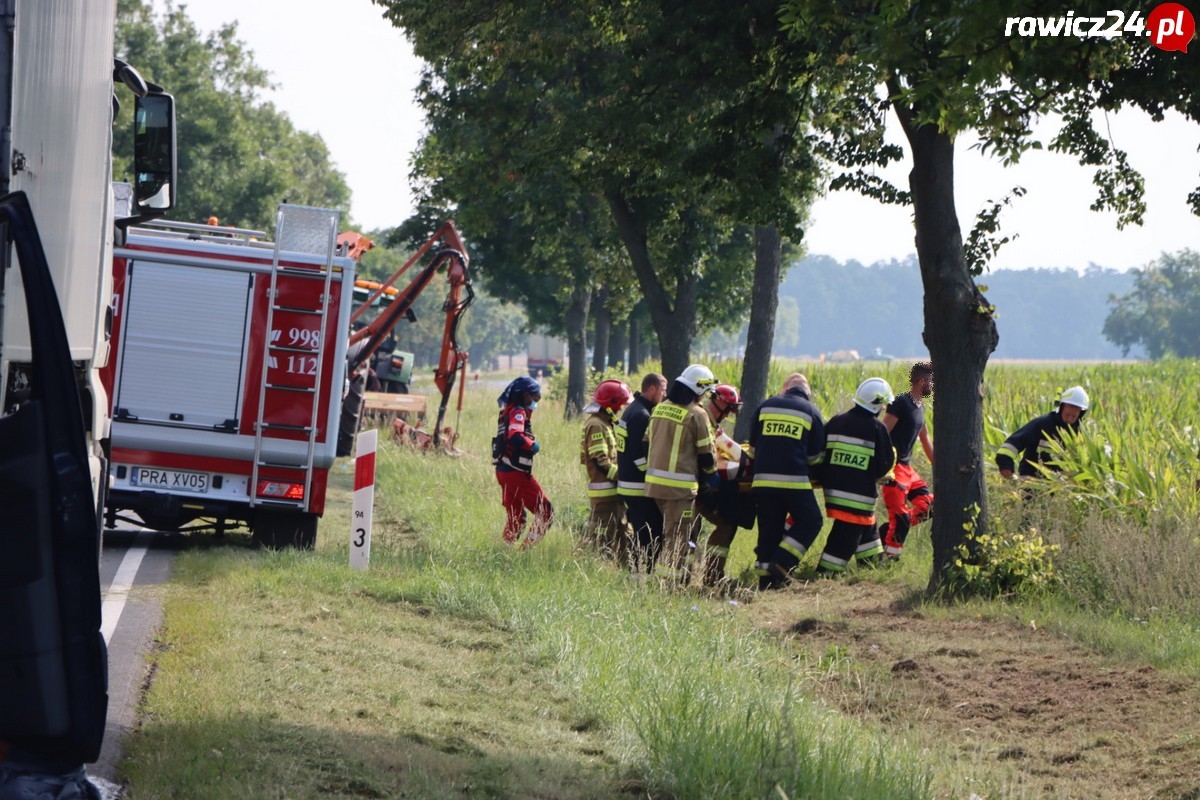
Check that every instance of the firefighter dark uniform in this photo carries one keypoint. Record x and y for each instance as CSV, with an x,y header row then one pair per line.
x,y
513,450
679,456
787,440
642,512
1030,444
598,453
858,457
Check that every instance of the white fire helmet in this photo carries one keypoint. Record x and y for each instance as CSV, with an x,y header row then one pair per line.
x,y
1075,396
873,394
698,378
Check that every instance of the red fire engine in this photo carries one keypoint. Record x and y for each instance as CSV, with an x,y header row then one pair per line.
x,y
226,376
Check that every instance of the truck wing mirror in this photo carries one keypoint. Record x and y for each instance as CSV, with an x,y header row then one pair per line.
x,y
154,164
129,76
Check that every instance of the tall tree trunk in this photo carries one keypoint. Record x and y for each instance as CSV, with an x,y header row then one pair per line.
x,y
577,374
602,319
674,322
635,342
960,333
616,346
764,299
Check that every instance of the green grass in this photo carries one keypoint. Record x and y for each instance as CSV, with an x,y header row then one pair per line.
x,y
458,667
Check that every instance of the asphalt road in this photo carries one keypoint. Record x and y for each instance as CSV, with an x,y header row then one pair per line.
x,y
133,565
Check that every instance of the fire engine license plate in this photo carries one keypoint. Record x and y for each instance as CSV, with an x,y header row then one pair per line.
x,y
169,479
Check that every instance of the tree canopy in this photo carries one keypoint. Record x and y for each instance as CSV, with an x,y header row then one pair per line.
x,y
239,156
684,121
1162,312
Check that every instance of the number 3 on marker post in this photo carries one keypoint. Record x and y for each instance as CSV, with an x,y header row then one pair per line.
x,y
364,498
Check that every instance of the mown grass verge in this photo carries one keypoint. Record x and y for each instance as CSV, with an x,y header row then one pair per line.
x,y
456,667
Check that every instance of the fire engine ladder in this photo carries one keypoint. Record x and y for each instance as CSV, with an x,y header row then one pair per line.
x,y
309,231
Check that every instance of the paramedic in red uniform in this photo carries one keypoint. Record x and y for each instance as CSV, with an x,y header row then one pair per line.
x,y
908,499
513,450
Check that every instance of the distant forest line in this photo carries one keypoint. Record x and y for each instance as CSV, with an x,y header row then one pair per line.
x,y
827,305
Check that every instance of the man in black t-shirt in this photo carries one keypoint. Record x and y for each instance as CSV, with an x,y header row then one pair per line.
x,y
641,511
908,499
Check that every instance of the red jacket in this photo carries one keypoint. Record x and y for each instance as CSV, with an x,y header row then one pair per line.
x,y
515,444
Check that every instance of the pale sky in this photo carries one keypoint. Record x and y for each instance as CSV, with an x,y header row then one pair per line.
x,y
349,76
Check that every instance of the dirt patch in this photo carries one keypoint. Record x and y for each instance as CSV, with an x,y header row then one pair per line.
x,y
1023,712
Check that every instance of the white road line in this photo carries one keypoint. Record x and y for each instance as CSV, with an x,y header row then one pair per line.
x,y
118,592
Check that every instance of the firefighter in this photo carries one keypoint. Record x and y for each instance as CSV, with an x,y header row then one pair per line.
x,y
1030,443
680,457
728,508
858,457
607,527
643,513
513,450
909,499
786,441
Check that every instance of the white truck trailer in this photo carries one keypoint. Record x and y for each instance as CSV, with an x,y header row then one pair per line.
x,y
547,355
57,107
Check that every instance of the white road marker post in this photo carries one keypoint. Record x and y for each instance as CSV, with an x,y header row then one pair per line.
x,y
364,498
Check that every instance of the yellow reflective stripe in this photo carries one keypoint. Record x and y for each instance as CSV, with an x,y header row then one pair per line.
x,y
661,480
849,499
855,446
675,447
760,484
786,415
868,549
667,475
782,481
832,564
851,441
793,547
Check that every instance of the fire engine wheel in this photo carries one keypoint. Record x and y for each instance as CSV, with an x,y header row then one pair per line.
x,y
276,530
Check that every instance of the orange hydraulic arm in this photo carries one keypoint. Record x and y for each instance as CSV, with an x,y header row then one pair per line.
x,y
453,254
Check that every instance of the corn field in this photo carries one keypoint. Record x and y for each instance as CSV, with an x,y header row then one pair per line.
x,y
1139,448
1123,511
1138,452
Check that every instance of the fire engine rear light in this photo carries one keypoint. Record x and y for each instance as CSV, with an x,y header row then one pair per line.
x,y
280,490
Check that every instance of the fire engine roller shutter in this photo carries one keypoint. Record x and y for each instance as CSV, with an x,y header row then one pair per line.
x,y
183,344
